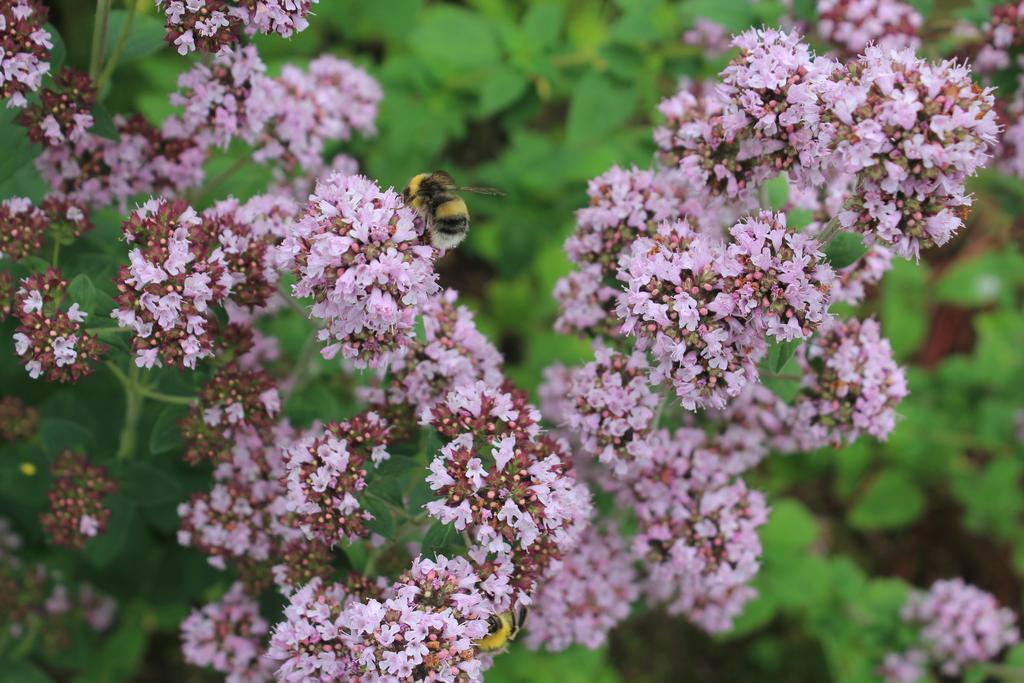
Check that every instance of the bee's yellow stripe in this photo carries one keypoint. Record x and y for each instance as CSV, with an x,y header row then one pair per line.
x,y
451,209
498,639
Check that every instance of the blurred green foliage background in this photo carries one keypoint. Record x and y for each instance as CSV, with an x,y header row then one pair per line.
x,y
536,98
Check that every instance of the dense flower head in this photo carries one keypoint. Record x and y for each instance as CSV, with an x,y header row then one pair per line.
x,y
22,228
425,627
24,49
912,132
697,531
852,25
306,646
76,510
283,17
231,401
17,420
177,274
451,353
586,304
228,636
484,411
624,205
226,99
587,597
680,304
300,561
782,274
359,253
50,339
203,25
243,518
63,113
851,385
327,471
960,624
98,171
328,102
612,407
764,119
248,248
1003,33
517,498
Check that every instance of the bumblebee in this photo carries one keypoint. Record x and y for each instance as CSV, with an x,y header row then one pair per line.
x,y
432,196
502,630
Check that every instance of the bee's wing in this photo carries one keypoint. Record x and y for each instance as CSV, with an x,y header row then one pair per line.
x,y
482,190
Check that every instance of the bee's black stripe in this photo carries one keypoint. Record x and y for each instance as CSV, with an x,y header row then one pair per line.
x,y
452,225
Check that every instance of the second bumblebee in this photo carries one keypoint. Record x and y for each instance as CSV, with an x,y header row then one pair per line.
x,y
433,196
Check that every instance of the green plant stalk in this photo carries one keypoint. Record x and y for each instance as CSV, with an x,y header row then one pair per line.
x,y
99,37
146,392
55,258
133,411
115,55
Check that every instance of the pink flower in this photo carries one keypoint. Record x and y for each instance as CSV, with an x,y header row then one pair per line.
x,y
356,248
852,25
228,636
587,597
24,49
77,513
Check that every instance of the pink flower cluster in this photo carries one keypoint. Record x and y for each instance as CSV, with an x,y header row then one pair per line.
x,y
360,253
166,295
63,114
325,474
585,599
698,531
77,512
231,404
762,121
960,625
17,420
424,628
852,25
98,171
24,49
453,352
212,25
22,228
1002,33
50,340
586,304
228,636
232,97
611,406
519,503
851,385
912,132
329,102
703,308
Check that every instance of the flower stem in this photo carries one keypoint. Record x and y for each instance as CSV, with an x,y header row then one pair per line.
x,y
99,37
224,176
165,398
133,400
107,330
115,55
297,378
55,258
831,229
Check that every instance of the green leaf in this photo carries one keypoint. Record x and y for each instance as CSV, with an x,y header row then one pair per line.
x,y
22,672
58,434
984,279
892,501
905,305
777,191
146,484
441,539
383,521
779,353
145,36
791,527
82,291
19,152
844,249
103,549
166,433
103,123
451,41
59,52
504,86
598,108
421,330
